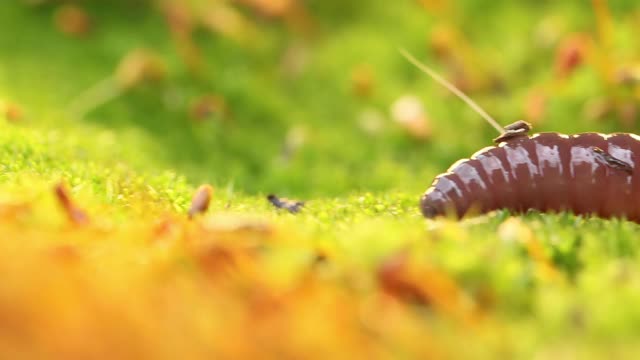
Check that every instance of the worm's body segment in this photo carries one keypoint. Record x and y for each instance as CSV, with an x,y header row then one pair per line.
x,y
587,173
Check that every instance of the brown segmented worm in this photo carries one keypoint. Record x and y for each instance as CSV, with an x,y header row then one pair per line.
x,y
587,173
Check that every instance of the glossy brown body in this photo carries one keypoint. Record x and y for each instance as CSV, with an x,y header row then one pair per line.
x,y
547,172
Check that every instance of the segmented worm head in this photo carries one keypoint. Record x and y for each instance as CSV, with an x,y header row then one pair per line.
x,y
432,205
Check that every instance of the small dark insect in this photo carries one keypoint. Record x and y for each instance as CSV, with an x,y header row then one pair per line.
x,y
74,213
587,173
293,206
607,159
512,131
201,200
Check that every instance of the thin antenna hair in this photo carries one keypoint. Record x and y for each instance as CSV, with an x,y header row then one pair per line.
x,y
427,70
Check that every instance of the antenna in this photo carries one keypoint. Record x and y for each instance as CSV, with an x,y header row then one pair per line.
x,y
424,68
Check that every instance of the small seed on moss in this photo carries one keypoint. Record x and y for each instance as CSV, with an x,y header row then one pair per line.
x,y
201,200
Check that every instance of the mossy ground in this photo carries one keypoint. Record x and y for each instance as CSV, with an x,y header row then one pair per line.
x,y
358,272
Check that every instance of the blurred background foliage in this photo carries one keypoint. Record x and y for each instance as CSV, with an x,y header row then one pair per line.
x,y
312,98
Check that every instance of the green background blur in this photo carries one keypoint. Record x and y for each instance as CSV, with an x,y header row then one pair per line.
x,y
298,93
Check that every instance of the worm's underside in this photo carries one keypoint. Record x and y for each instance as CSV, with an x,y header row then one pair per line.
x,y
587,173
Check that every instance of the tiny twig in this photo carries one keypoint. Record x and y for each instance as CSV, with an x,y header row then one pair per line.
x,y
75,214
427,70
99,94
